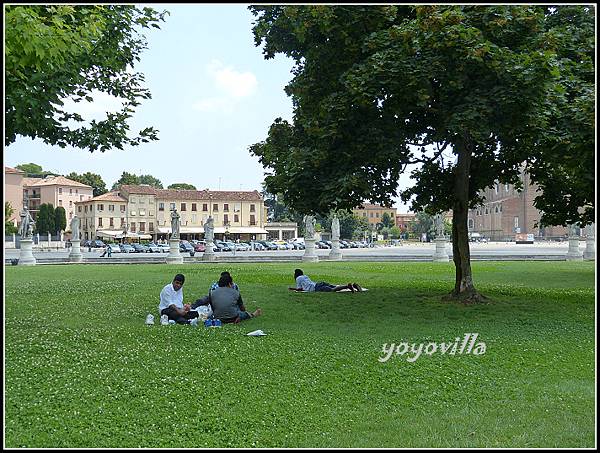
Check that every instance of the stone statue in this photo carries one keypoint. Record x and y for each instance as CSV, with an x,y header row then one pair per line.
x,y
209,230
309,222
335,228
174,224
573,230
439,225
27,224
75,228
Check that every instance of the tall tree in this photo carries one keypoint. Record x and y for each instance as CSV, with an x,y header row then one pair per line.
x,y
58,52
126,179
60,220
9,227
182,185
30,169
465,91
44,222
151,181
91,179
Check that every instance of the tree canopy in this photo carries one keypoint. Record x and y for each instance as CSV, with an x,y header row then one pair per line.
x,y
135,180
91,179
467,92
182,185
59,52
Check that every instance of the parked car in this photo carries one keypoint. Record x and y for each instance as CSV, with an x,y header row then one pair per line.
x,y
185,246
298,245
96,243
221,246
153,248
114,248
269,245
140,248
199,246
256,246
242,247
126,248
164,248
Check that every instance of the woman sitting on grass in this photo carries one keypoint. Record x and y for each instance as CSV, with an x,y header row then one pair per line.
x,y
304,283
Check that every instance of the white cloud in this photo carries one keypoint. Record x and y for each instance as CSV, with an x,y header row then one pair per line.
x,y
95,110
230,85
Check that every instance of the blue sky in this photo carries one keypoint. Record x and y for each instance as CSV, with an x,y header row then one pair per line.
x,y
213,95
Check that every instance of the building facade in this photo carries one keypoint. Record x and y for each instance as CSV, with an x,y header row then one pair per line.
x,y
374,213
57,191
13,192
507,212
145,212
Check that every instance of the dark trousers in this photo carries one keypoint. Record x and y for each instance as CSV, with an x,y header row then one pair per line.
x,y
172,314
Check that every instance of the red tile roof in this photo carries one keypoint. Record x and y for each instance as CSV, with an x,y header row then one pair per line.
x,y
181,194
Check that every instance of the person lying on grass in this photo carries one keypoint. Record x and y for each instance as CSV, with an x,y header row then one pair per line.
x,y
171,302
304,283
226,302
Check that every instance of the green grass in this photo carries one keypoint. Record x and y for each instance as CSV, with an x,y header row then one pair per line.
x,y
82,369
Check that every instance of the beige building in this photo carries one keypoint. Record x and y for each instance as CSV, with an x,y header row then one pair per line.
x,y
145,212
57,191
13,192
374,213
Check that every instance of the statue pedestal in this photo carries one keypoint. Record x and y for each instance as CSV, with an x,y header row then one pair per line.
x,y
574,254
174,256
590,249
441,253
209,253
26,255
309,252
75,256
336,253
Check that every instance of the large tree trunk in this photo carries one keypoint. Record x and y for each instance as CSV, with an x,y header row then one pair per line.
x,y
464,290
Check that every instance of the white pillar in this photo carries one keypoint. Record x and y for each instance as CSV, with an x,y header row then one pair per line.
x,y
574,254
309,252
441,253
174,256
209,253
75,255
26,257
590,248
49,238
14,240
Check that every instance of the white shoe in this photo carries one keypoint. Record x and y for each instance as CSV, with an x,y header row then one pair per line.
x,y
164,320
194,322
149,320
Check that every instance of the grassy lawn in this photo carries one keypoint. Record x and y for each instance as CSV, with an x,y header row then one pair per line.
x,y
82,369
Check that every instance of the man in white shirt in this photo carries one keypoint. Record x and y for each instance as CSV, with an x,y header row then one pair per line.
x,y
171,302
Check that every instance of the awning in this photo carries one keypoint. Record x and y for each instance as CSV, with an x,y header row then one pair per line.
x,y
117,234
183,229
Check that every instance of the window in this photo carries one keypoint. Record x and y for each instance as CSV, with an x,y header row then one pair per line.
x,y
225,219
85,208
100,207
80,197
194,218
142,212
111,207
236,207
194,207
76,190
132,201
122,222
183,207
142,226
516,222
70,191
133,226
122,208
215,207
60,202
370,214
99,221
364,214
60,190
377,215
150,226
78,208
236,218
496,209
486,211
252,220
161,206
132,213
500,208
111,222
172,206
205,207
252,208
496,188
225,207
